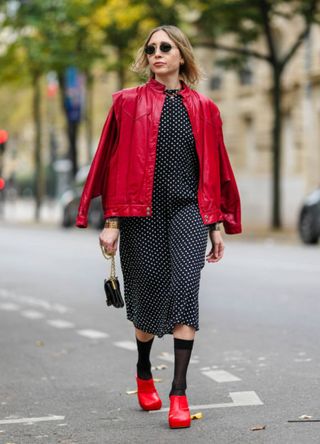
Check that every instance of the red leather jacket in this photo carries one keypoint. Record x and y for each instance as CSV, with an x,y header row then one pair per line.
x,y
122,169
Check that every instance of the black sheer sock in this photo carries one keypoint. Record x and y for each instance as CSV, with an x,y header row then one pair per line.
x,y
182,353
144,364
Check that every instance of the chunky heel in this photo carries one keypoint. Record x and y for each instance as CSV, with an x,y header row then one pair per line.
x,y
148,396
179,413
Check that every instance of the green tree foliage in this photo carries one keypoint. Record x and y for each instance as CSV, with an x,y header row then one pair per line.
x,y
247,21
124,25
47,35
51,35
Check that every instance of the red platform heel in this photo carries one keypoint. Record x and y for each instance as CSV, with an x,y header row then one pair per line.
x,y
179,413
148,396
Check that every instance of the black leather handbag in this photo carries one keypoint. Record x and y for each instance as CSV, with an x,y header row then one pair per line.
x,y
111,285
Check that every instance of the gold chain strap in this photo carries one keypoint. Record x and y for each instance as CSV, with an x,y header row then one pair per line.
x,y
113,268
113,262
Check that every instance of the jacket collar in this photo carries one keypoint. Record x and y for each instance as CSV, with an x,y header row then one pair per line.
x,y
159,87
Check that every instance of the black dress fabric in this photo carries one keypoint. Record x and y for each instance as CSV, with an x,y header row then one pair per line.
x,y
162,255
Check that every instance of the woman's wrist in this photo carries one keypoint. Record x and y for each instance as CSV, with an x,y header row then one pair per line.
x,y
215,226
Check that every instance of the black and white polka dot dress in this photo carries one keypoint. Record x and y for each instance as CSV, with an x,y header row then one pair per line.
x,y
162,255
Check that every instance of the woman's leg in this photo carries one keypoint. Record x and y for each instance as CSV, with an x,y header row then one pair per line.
x,y
183,337
144,344
184,331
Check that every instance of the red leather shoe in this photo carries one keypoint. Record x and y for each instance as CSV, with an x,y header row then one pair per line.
x,y
179,413
147,394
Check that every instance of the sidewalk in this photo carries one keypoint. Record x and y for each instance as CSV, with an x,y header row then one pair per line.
x,y
286,235
23,211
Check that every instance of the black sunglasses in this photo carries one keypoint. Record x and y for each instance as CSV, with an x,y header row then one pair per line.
x,y
164,47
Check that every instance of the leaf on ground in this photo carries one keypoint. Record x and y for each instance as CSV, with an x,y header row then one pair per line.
x,y
39,343
159,367
198,415
258,427
305,417
131,392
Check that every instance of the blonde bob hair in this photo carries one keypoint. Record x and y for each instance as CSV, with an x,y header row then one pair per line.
x,y
190,72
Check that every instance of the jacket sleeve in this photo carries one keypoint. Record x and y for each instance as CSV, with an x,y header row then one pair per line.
x,y
230,206
96,176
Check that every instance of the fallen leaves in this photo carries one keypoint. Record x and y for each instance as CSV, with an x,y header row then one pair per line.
x,y
198,415
304,418
131,392
159,367
258,427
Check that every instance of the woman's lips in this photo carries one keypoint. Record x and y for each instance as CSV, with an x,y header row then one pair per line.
x,y
158,64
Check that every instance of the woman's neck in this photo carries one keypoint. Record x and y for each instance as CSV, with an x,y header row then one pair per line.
x,y
169,82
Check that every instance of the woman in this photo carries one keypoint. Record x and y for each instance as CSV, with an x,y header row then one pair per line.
x,y
166,183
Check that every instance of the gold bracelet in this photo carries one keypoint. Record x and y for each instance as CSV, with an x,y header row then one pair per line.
x,y
111,224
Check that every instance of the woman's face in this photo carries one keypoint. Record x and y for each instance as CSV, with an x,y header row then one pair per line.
x,y
164,63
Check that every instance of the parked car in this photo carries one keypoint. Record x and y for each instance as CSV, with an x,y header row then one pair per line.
x,y
309,218
70,202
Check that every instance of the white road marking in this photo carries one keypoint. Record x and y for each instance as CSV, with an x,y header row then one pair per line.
x,y
239,399
31,420
220,376
35,302
170,358
32,314
245,398
128,345
60,323
92,334
9,306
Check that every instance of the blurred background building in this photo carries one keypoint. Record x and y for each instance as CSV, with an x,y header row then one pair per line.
x,y
246,109
49,120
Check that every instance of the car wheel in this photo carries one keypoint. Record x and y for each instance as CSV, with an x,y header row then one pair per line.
x,y
307,230
66,218
94,218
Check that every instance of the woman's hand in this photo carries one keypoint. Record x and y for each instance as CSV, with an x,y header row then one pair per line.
x,y
216,252
109,239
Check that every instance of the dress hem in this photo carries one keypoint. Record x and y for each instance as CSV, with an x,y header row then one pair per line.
x,y
168,332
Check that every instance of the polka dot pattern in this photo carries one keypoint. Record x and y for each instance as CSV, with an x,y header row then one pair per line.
x,y
162,255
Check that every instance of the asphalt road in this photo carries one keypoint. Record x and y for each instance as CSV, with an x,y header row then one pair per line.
x,y
67,360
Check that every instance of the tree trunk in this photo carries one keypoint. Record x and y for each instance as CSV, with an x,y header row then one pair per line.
x,y
89,114
38,177
121,69
276,150
72,137
71,128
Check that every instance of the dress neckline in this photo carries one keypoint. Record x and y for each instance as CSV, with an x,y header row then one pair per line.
x,y
172,93
156,86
